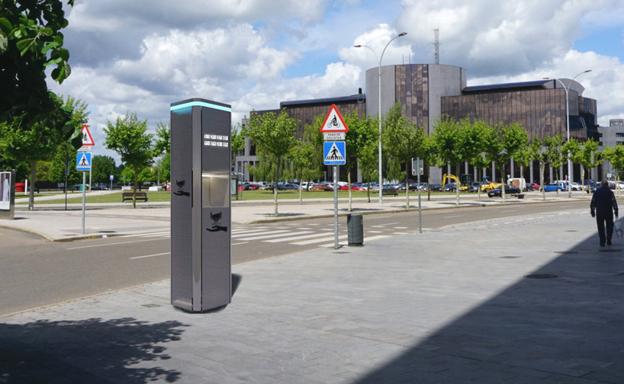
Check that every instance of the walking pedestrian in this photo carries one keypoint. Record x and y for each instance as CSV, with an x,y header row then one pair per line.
x,y
603,206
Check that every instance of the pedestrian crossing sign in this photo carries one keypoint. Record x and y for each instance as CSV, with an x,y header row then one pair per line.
x,y
334,153
83,161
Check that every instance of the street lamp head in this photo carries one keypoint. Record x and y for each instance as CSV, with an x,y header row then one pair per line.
x,y
402,34
358,46
587,71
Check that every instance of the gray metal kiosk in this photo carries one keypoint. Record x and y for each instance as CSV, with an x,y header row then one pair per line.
x,y
7,195
200,205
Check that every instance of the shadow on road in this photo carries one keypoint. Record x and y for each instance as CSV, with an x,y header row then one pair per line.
x,y
95,351
561,325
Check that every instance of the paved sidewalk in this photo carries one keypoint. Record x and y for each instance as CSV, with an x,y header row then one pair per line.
x,y
447,306
53,223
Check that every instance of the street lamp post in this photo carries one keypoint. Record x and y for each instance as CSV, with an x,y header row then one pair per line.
x,y
379,108
568,127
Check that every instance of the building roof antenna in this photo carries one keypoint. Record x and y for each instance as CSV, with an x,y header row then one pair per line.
x,y
436,46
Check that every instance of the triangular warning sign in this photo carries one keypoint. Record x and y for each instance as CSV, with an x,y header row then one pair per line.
x,y
83,161
334,154
87,139
334,121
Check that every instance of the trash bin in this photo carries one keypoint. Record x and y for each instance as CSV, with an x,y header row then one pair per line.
x,y
355,230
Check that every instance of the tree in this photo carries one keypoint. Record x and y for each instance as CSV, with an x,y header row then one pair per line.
x,y
302,158
64,161
481,137
274,136
538,151
446,140
28,139
447,144
162,148
30,44
589,157
102,168
128,137
615,156
402,141
553,153
362,133
511,140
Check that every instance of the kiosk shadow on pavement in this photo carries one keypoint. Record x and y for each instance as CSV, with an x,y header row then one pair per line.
x,y
560,324
78,351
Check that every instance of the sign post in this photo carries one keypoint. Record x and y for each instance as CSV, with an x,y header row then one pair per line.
x,y
334,131
83,164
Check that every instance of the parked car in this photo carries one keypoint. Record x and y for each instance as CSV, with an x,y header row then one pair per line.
x,y
552,187
390,189
435,187
508,191
321,187
533,187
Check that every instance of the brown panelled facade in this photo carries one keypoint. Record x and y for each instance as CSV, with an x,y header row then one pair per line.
x,y
412,92
541,112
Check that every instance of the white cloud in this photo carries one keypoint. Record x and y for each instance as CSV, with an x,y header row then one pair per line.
x,y
496,37
374,41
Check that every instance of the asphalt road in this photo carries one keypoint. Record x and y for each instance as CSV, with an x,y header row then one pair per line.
x,y
35,272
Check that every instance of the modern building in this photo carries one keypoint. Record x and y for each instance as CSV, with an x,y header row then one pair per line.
x,y
430,92
610,137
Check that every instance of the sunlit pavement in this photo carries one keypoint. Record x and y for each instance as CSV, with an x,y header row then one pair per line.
x,y
527,299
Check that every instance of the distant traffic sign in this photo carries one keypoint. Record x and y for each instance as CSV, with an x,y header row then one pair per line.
x,y
83,161
87,139
334,121
334,153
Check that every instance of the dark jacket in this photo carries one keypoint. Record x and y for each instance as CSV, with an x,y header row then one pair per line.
x,y
603,202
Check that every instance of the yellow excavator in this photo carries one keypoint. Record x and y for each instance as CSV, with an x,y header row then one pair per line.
x,y
450,177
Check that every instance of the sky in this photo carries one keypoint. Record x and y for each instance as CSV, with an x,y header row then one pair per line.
x,y
140,56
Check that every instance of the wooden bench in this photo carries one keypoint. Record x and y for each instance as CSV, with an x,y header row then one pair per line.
x,y
128,196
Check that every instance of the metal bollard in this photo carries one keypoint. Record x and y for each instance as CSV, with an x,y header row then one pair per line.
x,y
355,230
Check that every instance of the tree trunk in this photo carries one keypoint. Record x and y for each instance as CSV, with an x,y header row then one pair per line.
x,y
134,189
479,187
542,167
33,181
301,190
277,169
582,177
503,184
368,191
407,202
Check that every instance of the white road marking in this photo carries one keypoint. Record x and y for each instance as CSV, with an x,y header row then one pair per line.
x,y
316,241
378,226
274,235
400,233
146,256
245,232
239,235
241,243
108,244
244,229
371,231
287,239
401,227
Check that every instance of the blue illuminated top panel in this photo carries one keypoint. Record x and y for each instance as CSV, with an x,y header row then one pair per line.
x,y
186,106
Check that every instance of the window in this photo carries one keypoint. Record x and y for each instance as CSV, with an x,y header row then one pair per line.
x,y
619,134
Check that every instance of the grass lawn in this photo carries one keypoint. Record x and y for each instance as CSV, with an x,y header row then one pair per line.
x,y
76,197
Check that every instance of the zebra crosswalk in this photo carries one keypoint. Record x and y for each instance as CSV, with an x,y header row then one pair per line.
x,y
308,235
